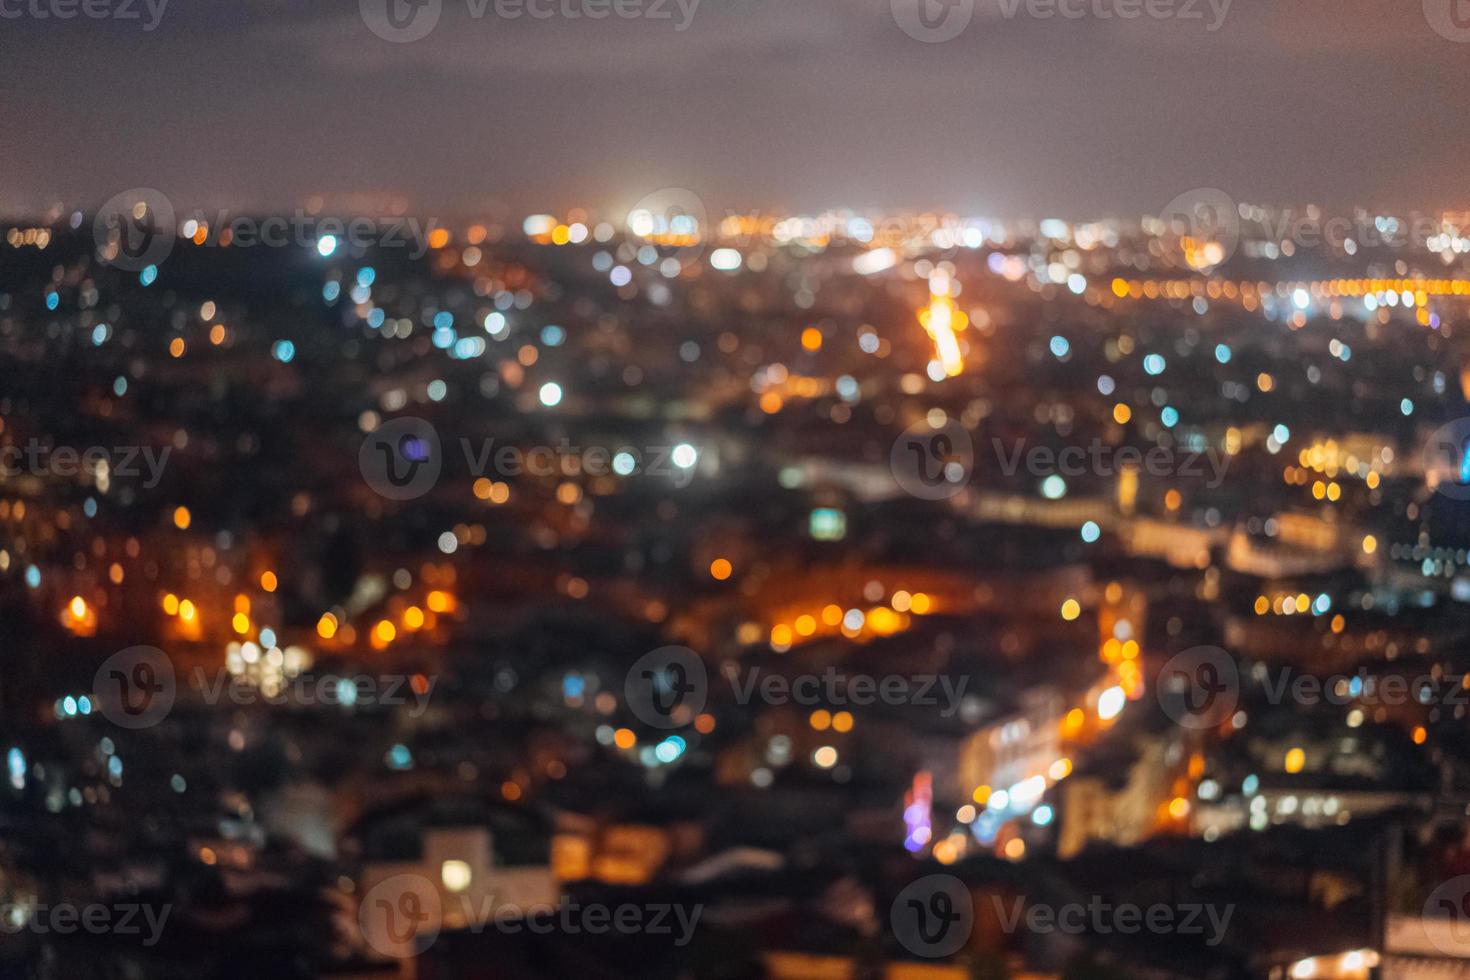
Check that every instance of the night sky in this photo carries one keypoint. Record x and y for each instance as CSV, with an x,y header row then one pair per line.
x,y
797,104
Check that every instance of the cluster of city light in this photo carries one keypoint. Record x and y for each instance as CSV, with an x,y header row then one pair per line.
x,y
187,622
942,320
663,749
1288,604
992,807
1375,293
681,223
1101,707
918,812
854,623
775,385
1353,965
79,617
403,619
37,238
1394,292
1330,459
267,667
547,230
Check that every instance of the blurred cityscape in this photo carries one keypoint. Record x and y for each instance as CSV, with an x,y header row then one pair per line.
x,y
679,594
